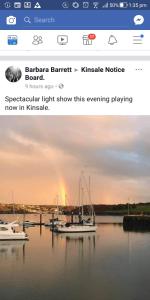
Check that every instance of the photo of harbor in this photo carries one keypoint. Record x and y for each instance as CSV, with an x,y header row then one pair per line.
x,y
111,264
74,208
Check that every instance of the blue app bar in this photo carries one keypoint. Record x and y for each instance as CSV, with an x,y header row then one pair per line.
x,y
56,20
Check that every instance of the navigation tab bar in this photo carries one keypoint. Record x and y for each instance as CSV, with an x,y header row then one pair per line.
x,y
80,42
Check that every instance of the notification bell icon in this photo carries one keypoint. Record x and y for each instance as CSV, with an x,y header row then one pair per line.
x,y
112,40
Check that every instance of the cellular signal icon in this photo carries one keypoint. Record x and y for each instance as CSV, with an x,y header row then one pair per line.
x,y
106,5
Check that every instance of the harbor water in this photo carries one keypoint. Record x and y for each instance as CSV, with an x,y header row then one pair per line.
x,y
111,264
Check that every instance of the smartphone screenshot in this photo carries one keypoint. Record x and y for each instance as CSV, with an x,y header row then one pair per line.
x,y
74,150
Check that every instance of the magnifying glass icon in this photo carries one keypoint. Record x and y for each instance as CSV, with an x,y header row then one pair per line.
x,y
27,20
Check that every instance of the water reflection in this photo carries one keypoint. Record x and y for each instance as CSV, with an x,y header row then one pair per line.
x,y
110,264
77,247
41,229
82,239
15,249
76,238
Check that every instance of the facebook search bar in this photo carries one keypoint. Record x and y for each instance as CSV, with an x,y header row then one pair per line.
x,y
76,20
39,20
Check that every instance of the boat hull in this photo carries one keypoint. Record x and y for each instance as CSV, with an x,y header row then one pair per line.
x,y
75,229
13,238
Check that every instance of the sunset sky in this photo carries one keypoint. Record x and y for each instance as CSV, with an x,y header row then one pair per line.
x,y
41,157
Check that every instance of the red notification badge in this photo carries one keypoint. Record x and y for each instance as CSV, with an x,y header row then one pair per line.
x,y
92,36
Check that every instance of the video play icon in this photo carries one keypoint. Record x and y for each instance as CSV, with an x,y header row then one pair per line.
x,y
62,39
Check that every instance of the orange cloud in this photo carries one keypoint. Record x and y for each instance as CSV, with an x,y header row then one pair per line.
x,y
41,157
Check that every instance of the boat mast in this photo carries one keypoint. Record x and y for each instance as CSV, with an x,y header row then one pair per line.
x,y
12,197
57,199
128,206
79,199
92,209
82,196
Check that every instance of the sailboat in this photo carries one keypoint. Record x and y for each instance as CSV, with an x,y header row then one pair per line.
x,y
75,227
83,225
55,217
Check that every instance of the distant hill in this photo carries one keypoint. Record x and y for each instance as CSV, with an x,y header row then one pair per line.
x,y
100,209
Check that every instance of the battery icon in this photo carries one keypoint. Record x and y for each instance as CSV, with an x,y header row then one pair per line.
x,y
123,4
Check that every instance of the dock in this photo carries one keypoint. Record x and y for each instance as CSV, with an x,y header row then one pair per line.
x,y
136,222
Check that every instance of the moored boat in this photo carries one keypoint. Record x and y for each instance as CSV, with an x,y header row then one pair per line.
x,y
28,224
84,224
8,232
75,227
53,222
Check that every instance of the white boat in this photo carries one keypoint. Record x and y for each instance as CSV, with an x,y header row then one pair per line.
x,y
8,232
83,225
74,228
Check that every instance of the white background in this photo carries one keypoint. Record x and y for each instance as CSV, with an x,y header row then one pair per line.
x,y
131,83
